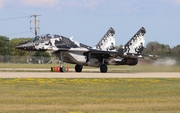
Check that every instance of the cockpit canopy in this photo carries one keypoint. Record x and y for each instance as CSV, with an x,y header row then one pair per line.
x,y
45,37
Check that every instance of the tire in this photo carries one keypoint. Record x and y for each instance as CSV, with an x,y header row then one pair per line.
x,y
78,68
62,69
103,68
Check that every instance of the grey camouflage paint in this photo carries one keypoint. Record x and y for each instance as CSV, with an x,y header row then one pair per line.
x,y
74,52
51,42
136,44
107,42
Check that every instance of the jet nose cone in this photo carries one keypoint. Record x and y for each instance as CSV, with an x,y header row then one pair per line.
x,y
25,46
20,46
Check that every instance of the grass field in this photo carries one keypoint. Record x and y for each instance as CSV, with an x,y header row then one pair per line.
x,y
89,95
111,68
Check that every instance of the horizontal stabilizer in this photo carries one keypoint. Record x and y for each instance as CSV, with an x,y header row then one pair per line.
x,y
152,57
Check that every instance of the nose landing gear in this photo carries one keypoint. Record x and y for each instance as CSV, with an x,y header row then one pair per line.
x,y
61,68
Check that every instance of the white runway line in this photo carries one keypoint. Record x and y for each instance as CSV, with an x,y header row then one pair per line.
x,y
87,75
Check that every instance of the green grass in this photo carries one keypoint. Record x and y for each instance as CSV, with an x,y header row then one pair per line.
x,y
89,95
8,65
111,68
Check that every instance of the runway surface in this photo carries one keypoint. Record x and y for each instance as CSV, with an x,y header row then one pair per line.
x,y
87,75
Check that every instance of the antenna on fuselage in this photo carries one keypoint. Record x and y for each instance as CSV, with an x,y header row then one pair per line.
x,y
71,38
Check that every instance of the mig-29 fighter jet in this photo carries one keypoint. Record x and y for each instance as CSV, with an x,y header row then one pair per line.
x,y
103,54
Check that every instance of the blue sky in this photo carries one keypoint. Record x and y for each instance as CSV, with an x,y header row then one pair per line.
x,y
88,20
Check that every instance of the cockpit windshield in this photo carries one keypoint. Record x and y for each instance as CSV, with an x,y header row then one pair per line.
x,y
45,37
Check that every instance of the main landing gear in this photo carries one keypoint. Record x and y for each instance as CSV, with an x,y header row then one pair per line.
x,y
103,68
78,68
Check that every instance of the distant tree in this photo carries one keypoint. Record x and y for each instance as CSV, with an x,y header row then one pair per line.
x,y
157,48
176,49
120,46
4,43
116,47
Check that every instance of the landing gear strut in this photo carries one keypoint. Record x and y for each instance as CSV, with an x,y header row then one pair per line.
x,y
62,68
78,68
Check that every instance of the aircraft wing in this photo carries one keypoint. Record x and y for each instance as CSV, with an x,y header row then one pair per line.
x,y
121,54
112,53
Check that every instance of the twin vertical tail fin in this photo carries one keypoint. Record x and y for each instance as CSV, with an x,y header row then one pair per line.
x,y
107,42
136,44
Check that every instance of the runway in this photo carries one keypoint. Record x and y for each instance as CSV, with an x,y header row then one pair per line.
x,y
88,75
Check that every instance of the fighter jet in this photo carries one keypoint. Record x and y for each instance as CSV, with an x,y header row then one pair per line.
x,y
103,54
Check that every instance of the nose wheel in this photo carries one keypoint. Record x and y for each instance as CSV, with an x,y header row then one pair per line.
x,y
78,68
63,69
60,68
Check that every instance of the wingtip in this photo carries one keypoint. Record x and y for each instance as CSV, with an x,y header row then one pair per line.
x,y
143,30
112,30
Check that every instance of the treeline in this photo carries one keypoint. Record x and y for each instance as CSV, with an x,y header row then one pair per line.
x,y
7,47
161,49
